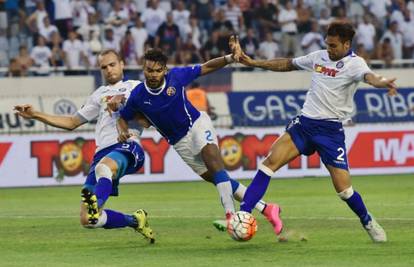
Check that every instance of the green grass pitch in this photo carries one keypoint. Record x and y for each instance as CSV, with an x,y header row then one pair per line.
x,y
40,227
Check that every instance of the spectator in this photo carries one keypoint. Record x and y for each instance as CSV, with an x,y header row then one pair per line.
x,y
188,54
407,29
131,7
110,41
268,49
91,26
140,36
41,55
128,51
24,60
195,32
198,98
304,17
313,40
365,34
4,49
203,11
181,17
48,29
104,8
63,17
233,14
379,8
287,20
395,38
266,16
93,48
118,19
168,36
35,20
249,43
74,52
384,52
14,69
81,10
58,56
153,17
360,51
213,48
324,20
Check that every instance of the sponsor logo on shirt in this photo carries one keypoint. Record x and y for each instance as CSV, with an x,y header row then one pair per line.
x,y
340,65
171,91
325,71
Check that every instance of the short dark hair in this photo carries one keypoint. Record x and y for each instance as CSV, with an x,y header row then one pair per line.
x,y
110,51
343,29
156,55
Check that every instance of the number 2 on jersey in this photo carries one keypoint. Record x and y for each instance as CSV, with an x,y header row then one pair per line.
x,y
209,136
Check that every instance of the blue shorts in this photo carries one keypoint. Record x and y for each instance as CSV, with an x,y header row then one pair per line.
x,y
129,157
325,137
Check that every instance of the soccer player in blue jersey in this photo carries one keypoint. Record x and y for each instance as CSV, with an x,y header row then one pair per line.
x,y
112,159
161,99
336,73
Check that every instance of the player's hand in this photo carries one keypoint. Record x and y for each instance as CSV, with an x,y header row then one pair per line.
x,y
246,60
26,111
390,85
123,136
114,104
235,47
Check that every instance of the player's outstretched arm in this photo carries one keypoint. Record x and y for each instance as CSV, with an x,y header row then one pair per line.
x,y
215,64
277,64
64,122
379,81
123,133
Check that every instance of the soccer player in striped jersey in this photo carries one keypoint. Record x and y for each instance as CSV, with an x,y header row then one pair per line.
x,y
336,73
112,159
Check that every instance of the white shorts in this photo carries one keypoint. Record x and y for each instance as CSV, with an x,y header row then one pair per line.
x,y
189,147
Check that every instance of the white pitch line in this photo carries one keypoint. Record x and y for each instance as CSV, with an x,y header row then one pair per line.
x,y
13,216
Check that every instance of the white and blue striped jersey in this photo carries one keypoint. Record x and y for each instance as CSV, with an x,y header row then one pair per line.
x,y
106,133
167,108
333,85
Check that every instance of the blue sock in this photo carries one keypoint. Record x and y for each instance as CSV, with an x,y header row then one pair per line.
x,y
102,190
115,219
234,185
131,221
255,191
357,206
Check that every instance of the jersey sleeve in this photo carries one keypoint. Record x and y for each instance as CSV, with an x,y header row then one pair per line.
x,y
90,110
129,110
187,74
359,69
305,62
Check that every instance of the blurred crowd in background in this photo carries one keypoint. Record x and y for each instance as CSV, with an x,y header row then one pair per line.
x,y
70,33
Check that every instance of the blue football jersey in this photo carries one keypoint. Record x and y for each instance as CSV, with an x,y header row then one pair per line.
x,y
168,108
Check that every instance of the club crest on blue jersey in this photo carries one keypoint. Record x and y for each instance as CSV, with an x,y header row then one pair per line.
x,y
171,91
340,65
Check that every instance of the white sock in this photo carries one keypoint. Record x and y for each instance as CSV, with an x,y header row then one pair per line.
x,y
239,195
226,195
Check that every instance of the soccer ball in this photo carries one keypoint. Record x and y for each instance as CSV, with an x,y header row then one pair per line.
x,y
242,226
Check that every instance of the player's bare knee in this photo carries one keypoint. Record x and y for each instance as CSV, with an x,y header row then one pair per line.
x,y
103,170
346,194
